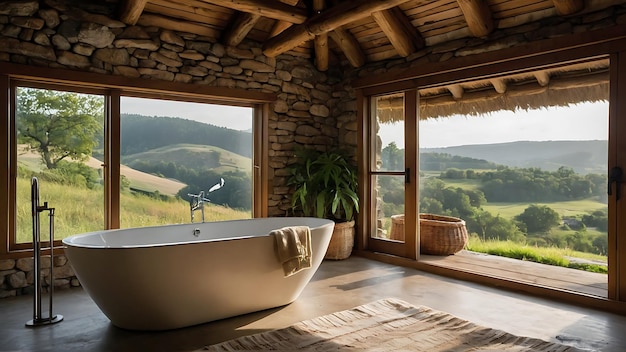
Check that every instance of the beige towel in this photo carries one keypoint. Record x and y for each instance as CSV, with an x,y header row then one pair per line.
x,y
293,245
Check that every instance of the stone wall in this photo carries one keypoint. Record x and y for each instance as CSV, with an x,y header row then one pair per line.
x,y
18,275
50,33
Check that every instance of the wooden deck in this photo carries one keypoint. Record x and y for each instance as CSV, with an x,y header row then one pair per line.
x,y
570,280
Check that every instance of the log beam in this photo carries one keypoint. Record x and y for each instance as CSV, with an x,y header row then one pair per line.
x,y
320,42
398,29
456,91
568,7
130,10
542,77
240,27
499,85
271,9
335,17
280,26
478,16
349,45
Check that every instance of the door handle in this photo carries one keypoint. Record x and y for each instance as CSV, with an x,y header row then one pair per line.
x,y
407,175
615,176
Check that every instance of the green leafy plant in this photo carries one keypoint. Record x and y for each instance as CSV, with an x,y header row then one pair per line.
x,y
325,185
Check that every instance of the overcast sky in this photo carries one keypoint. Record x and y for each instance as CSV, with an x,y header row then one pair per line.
x,y
580,122
233,117
587,121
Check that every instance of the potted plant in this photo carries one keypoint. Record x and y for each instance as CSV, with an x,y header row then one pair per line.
x,y
326,187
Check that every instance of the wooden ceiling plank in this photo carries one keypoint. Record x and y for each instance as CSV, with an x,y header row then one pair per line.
x,y
192,6
333,18
272,9
478,16
149,20
239,29
568,7
349,45
130,11
197,15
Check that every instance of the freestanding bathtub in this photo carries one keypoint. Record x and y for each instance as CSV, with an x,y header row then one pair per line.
x,y
167,277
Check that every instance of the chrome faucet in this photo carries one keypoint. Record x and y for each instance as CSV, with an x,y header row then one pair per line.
x,y
196,201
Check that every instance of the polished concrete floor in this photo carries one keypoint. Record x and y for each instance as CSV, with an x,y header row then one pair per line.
x,y
338,285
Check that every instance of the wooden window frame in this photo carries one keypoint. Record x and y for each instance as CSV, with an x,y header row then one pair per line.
x,y
609,42
113,88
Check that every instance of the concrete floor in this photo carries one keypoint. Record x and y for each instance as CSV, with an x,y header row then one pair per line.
x,y
338,285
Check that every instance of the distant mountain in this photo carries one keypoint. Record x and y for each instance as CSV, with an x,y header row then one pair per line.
x,y
143,133
582,156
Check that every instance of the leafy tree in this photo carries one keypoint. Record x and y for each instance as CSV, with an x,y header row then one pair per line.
x,y
393,158
539,218
494,227
58,125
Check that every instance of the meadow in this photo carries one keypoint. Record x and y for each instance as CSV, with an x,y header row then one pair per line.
x,y
79,210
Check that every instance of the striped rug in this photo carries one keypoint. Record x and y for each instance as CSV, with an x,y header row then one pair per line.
x,y
387,325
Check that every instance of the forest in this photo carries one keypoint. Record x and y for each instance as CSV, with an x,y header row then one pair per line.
x,y
465,191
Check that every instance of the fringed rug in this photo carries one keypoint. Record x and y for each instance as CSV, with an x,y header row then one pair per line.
x,y
387,325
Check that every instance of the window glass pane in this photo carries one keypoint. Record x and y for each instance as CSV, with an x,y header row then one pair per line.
x,y
525,167
387,168
176,153
59,141
389,207
389,140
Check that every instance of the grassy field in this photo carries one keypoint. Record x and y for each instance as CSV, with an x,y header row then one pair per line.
x,y
546,255
568,208
80,210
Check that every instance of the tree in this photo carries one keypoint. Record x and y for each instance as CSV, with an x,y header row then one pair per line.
x,y
58,125
539,218
393,158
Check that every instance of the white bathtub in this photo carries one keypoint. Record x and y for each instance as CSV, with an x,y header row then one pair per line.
x,y
158,278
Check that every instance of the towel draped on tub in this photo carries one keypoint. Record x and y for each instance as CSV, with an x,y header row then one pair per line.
x,y
293,245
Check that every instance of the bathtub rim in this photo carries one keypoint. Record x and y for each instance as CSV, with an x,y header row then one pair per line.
x,y
73,241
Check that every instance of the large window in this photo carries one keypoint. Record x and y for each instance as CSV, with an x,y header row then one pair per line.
x,y
175,155
107,157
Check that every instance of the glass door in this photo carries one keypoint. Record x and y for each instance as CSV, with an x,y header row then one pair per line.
x,y
393,212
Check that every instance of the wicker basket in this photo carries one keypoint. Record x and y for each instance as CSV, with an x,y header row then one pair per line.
x,y
439,234
342,241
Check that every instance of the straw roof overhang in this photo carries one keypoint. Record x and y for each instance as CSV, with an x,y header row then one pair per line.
x,y
549,87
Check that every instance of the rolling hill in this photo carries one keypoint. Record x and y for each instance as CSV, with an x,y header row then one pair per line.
x,y
191,156
582,156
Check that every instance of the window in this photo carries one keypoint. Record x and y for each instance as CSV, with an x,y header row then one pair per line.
x,y
100,167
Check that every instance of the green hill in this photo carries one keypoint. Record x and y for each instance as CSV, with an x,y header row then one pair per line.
x,y
190,156
582,156
144,133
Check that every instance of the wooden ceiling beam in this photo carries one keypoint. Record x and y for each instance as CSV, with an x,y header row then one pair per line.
x,y
543,77
349,45
270,9
456,90
478,16
568,7
499,85
398,29
320,42
335,17
239,28
130,10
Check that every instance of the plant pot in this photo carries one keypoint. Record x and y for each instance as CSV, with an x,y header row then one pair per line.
x,y
341,242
